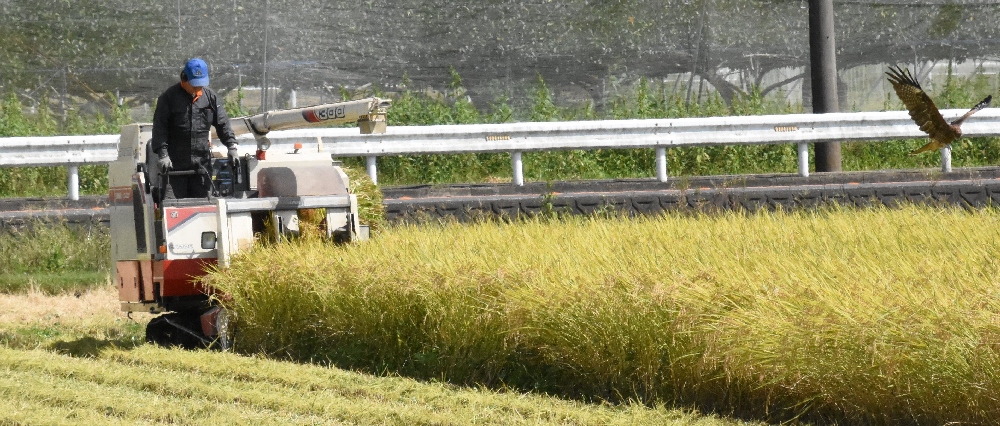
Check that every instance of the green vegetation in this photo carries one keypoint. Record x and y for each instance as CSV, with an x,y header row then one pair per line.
x,y
880,316
53,258
69,360
644,100
639,101
636,101
47,181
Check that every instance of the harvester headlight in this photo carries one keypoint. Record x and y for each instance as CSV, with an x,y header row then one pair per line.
x,y
208,240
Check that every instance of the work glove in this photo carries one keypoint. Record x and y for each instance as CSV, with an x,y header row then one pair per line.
x,y
164,163
233,155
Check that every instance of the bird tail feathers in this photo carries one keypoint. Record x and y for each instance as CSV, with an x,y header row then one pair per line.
x,y
931,146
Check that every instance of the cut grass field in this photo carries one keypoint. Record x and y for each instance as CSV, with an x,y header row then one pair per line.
x,y
150,385
79,323
880,316
77,360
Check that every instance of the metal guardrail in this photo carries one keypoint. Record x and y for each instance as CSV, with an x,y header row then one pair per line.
x,y
70,151
58,150
517,138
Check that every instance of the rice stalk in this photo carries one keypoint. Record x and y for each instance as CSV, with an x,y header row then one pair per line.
x,y
881,316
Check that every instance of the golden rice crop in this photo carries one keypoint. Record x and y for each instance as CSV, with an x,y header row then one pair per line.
x,y
371,211
883,316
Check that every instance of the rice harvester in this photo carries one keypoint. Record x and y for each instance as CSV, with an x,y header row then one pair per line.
x,y
161,247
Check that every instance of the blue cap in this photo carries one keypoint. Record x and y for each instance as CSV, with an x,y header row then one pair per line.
x,y
197,72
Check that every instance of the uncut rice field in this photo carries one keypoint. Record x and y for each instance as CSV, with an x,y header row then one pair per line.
x,y
881,316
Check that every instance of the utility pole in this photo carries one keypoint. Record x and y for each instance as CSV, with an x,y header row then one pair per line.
x,y
823,63
179,45
63,99
263,93
236,39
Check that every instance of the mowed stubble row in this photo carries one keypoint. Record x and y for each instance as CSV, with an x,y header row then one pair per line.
x,y
150,385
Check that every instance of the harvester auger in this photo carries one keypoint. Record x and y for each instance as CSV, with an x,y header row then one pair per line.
x,y
160,247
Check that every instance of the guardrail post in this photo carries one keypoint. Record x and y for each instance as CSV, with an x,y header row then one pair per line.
x,y
73,182
946,159
661,163
372,170
803,159
515,159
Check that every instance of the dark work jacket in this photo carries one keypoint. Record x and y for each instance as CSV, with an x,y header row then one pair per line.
x,y
183,127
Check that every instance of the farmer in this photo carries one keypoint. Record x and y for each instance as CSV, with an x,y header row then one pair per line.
x,y
181,126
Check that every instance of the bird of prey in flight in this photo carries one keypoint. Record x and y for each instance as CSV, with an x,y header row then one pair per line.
x,y
925,114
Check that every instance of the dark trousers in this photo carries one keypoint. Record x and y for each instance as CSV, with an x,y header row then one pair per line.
x,y
191,186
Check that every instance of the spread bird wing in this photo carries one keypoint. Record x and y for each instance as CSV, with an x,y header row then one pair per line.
x,y
922,109
985,103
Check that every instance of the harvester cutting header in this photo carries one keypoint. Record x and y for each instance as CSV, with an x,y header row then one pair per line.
x,y
161,246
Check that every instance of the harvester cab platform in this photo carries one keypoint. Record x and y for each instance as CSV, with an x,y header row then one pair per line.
x,y
162,246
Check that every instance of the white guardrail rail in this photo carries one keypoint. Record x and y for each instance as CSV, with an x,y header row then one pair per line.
x,y
516,138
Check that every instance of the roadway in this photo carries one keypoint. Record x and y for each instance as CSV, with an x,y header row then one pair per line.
x,y
970,187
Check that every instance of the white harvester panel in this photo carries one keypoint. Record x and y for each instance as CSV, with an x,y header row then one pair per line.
x,y
130,209
191,232
274,159
235,233
297,181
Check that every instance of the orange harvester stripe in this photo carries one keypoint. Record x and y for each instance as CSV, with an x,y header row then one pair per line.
x,y
183,214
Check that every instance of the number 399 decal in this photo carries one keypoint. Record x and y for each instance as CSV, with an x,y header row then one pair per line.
x,y
316,115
